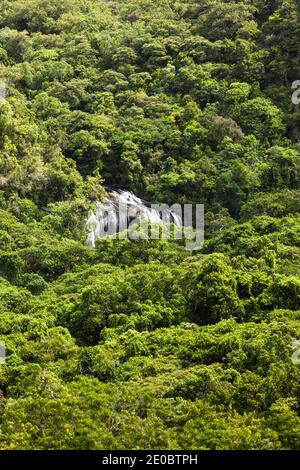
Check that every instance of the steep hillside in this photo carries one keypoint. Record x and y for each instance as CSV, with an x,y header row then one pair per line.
x,y
143,344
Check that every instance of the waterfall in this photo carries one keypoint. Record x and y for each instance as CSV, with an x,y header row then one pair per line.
x,y
119,209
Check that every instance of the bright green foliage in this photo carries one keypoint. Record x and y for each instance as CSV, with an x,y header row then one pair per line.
x,y
143,344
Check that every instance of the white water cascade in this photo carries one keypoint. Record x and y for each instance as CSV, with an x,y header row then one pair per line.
x,y
119,209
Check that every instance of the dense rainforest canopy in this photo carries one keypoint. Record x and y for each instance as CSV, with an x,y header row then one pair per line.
x,y
142,344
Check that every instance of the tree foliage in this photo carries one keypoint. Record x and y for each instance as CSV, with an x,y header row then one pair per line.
x,y
142,344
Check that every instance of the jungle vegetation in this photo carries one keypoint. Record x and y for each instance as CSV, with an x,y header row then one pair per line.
x,y
144,345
